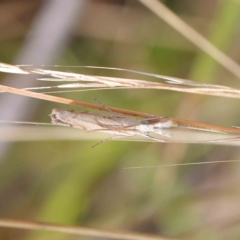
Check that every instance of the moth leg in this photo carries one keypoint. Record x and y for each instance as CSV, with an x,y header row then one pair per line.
x,y
102,141
107,139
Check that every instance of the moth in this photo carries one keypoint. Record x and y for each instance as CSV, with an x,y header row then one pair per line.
x,y
118,125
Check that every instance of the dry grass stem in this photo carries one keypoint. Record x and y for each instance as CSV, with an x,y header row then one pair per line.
x,y
182,164
102,82
70,101
192,35
82,231
152,120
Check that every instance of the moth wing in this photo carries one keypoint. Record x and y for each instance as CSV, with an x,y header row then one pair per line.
x,y
117,122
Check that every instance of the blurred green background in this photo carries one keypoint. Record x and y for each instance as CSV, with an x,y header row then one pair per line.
x,y
68,182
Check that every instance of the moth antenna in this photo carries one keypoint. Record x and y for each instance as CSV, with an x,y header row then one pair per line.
x,y
106,108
